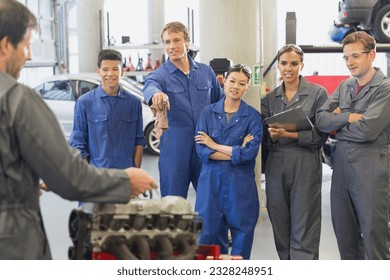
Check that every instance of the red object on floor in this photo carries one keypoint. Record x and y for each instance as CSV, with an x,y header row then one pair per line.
x,y
328,82
204,252
103,256
208,252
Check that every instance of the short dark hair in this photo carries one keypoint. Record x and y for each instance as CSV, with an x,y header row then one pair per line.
x,y
362,37
108,54
176,26
15,20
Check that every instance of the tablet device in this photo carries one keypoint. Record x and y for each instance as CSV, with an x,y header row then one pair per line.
x,y
291,120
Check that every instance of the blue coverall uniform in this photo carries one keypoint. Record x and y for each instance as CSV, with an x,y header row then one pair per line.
x,y
227,194
107,128
188,95
360,193
293,175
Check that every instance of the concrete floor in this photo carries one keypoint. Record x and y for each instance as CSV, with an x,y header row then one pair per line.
x,y
56,212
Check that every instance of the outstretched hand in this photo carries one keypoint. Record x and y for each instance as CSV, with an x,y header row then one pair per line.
x,y
140,181
160,101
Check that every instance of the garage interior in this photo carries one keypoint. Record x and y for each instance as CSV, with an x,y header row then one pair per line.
x,y
248,32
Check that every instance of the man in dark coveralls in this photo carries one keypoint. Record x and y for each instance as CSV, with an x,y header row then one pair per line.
x,y
32,146
359,112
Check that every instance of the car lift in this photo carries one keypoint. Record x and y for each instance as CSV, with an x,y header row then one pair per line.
x,y
291,39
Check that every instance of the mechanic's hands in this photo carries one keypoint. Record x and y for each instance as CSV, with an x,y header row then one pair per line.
x,y
140,181
354,117
160,99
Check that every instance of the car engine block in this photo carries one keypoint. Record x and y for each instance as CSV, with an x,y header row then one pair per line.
x,y
142,229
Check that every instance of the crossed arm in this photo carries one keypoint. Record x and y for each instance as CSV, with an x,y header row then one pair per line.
x,y
223,152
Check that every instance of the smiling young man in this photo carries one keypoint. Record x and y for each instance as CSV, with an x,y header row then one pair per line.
x,y
108,120
189,86
358,111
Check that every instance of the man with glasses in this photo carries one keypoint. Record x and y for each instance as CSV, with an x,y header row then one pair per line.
x,y
359,112
188,86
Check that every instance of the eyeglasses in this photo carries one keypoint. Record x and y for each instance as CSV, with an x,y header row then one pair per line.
x,y
237,67
355,55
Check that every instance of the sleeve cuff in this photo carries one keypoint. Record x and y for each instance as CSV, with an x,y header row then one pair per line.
x,y
236,155
205,155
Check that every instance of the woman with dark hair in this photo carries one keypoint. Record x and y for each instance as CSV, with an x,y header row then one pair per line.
x,y
293,171
229,134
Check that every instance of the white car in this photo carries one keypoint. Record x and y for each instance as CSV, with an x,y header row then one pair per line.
x,y
61,91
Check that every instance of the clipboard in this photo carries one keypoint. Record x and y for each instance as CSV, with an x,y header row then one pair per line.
x,y
291,120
